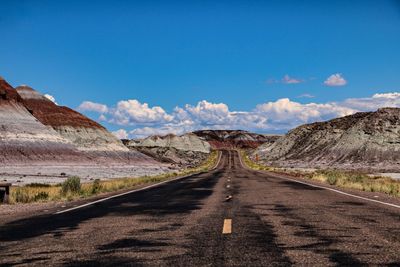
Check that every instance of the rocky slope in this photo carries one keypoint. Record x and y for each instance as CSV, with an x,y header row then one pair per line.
x,y
23,138
366,140
42,142
83,132
234,138
186,150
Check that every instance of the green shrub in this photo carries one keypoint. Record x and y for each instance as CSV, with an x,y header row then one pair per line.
x,y
71,185
96,186
332,180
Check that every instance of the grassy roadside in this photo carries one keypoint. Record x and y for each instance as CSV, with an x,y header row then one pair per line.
x,y
345,179
72,189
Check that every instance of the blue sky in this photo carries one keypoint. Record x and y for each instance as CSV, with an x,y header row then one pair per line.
x,y
177,53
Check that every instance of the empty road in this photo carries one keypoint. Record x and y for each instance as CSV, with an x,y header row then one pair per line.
x,y
268,221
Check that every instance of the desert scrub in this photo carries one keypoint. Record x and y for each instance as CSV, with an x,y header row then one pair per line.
x,y
358,180
253,165
29,194
345,179
72,188
96,186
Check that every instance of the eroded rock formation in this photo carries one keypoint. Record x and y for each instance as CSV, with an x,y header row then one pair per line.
x,y
186,150
229,139
365,140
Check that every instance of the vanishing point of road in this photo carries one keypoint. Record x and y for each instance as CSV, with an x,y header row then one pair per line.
x,y
269,221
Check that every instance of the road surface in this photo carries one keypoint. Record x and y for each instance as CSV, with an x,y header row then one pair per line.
x,y
269,221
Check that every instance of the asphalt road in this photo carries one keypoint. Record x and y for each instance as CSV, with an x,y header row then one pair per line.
x,y
274,222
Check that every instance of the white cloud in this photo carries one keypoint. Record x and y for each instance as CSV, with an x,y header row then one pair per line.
x,y
121,134
147,131
290,80
131,112
285,114
374,102
204,112
51,98
335,80
275,116
286,80
387,96
91,106
306,96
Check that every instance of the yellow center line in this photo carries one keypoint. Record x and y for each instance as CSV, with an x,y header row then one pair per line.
x,y
227,229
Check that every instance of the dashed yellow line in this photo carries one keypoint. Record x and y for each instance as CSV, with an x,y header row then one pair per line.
x,y
227,229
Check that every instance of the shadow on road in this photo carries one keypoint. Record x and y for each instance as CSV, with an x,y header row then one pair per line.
x,y
179,197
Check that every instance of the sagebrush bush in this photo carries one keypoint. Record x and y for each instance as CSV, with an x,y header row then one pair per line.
x,y
96,186
332,179
71,185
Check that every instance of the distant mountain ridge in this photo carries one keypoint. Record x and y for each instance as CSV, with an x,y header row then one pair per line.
x,y
364,140
229,139
185,150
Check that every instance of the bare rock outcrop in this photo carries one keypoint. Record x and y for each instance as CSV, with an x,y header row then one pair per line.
x,y
365,140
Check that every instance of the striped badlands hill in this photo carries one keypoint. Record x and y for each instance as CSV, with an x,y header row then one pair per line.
x,y
41,142
23,138
85,134
229,139
187,150
364,140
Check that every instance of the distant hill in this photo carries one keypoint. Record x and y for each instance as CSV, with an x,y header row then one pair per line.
x,y
235,138
185,150
365,140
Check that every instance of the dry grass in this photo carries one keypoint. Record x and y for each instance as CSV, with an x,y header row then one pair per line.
x,y
254,165
344,179
357,180
72,188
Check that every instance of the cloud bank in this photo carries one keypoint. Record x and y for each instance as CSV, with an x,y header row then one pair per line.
x,y
138,120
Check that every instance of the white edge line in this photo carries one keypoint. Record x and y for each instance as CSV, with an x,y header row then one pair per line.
x,y
323,187
136,190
